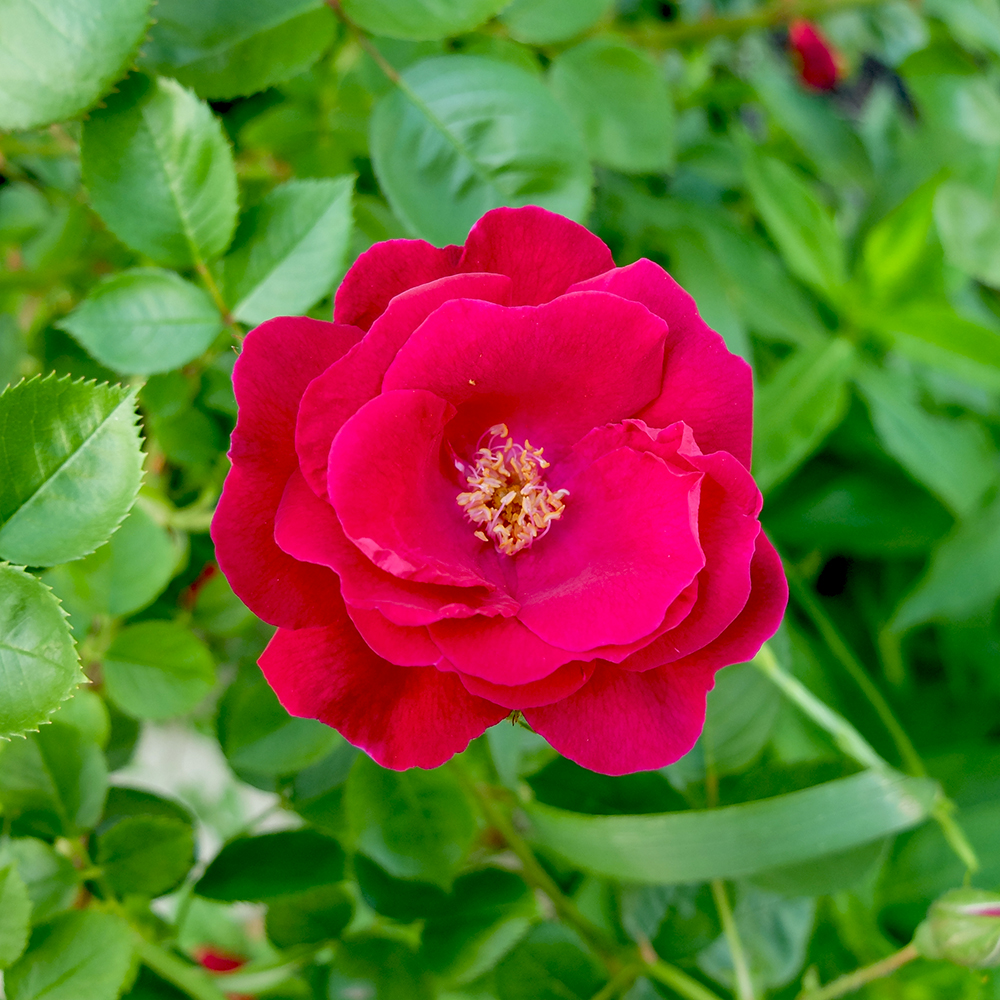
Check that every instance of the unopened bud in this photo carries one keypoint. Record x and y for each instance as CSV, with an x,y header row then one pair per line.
x,y
963,927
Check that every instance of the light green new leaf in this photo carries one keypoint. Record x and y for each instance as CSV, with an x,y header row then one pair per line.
x,y
467,134
416,824
799,223
57,57
421,20
796,410
157,669
969,224
38,663
954,459
542,22
160,172
223,49
15,915
84,955
619,100
144,321
736,841
289,249
963,579
70,467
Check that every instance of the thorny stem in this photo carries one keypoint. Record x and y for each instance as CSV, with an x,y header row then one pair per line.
x,y
220,303
741,971
855,980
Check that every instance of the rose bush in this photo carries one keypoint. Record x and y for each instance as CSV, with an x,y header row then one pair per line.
x,y
509,475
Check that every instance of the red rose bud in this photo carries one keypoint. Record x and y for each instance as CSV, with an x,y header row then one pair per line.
x,y
217,960
817,61
963,927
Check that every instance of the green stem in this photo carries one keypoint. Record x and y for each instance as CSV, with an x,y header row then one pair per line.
x,y
618,983
663,35
220,303
855,980
680,982
744,984
188,978
847,659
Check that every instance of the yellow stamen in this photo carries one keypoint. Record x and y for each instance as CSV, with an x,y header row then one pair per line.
x,y
507,498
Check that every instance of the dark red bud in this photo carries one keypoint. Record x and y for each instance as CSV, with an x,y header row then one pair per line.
x,y
216,960
817,60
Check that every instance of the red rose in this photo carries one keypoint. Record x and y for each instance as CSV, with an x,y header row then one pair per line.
x,y
508,475
817,60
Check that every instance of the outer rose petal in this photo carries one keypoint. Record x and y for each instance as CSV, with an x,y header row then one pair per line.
x,y
345,387
394,502
550,372
383,271
307,528
620,722
544,253
704,385
623,551
406,646
559,684
400,716
276,587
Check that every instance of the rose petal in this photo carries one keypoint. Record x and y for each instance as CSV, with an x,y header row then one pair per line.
x,y
500,650
279,359
383,271
405,646
393,501
623,551
307,528
400,716
272,584
550,372
542,252
620,722
703,384
562,682
346,386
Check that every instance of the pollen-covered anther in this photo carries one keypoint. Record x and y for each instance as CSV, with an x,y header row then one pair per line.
x,y
508,500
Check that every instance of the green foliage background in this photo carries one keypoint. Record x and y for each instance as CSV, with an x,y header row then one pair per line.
x,y
175,174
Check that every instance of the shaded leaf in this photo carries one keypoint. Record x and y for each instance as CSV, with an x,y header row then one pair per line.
x,y
309,917
541,22
421,19
15,913
548,964
50,878
148,855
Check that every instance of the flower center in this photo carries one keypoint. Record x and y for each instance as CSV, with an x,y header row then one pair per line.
x,y
507,496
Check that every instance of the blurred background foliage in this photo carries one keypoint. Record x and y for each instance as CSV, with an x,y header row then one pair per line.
x,y
172,175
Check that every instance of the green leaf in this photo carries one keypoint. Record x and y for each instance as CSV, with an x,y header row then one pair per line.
x,y
487,913
421,20
309,917
548,964
955,459
157,669
87,712
823,876
257,869
15,914
70,468
123,576
619,100
144,321
225,50
57,57
740,840
800,225
400,899
416,824
219,611
969,224
125,803
377,967
469,134
50,878
289,249
85,955
148,855
542,22
963,579
54,781
38,663
796,410
160,172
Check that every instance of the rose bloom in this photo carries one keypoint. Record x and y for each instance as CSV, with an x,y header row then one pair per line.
x,y
508,476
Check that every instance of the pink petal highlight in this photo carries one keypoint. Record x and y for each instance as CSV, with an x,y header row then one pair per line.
x,y
542,252
704,385
344,388
383,271
564,681
400,716
620,722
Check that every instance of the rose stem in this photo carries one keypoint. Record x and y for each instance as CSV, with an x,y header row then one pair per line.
x,y
855,980
220,303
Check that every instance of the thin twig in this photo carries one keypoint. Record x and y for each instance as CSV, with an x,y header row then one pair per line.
x,y
855,980
220,303
741,971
